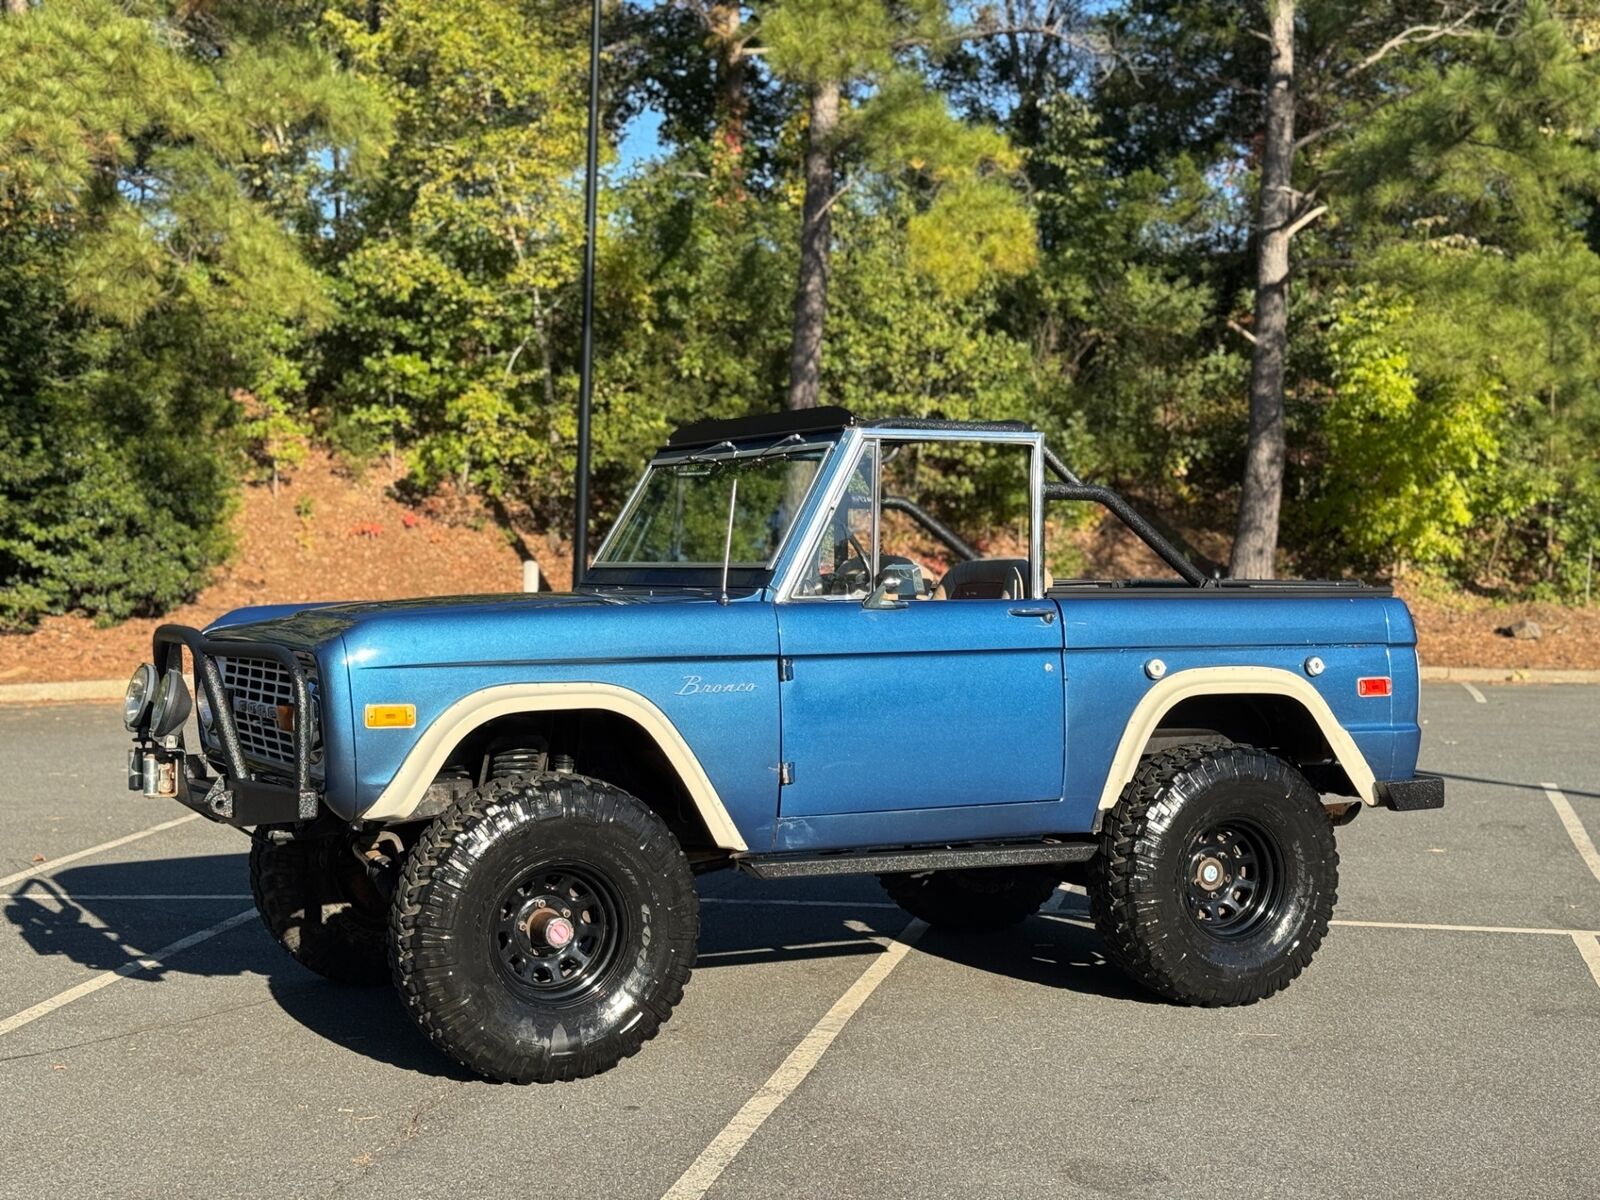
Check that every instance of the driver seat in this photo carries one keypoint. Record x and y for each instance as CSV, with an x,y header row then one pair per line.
x,y
985,579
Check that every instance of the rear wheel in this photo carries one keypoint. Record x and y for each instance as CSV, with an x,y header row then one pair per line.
x,y
318,904
971,901
1217,875
544,928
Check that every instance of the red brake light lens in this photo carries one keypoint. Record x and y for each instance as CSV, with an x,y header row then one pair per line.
x,y
1373,685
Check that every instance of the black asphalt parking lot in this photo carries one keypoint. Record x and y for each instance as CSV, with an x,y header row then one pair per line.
x,y
1444,1043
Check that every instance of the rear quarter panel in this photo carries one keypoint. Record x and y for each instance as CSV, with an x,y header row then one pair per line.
x,y
1111,638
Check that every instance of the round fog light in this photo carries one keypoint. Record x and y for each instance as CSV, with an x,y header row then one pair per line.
x,y
171,707
137,698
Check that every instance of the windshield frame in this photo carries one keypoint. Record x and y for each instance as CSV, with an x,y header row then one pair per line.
x,y
745,574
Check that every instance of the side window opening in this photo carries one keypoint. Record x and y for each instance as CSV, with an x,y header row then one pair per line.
x,y
941,520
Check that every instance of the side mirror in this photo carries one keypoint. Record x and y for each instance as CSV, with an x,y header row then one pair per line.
x,y
886,595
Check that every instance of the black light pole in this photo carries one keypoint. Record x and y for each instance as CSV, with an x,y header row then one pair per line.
x,y
591,192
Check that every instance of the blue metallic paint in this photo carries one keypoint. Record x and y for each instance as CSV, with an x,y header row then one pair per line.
x,y
939,721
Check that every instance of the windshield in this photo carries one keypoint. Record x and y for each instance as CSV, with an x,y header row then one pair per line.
x,y
680,516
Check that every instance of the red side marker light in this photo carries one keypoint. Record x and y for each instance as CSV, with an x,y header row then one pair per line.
x,y
1373,685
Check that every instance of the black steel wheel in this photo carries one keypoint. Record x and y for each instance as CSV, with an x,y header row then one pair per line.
x,y
1217,875
544,927
557,930
1235,878
972,901
317,902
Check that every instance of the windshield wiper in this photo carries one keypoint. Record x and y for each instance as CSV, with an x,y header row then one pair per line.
x,y
793,437
710,455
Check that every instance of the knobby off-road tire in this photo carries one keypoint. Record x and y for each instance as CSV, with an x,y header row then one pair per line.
x,y
317,903
971,901
1217,875
482,959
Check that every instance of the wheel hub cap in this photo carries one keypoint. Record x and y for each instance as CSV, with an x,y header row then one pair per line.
x,y
1210,874
544,927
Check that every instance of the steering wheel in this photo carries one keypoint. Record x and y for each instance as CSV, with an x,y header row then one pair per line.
x,y
851,543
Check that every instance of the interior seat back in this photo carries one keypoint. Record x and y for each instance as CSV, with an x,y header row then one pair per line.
x,y
985,579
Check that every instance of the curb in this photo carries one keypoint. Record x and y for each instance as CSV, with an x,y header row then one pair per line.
x,y
94,690
1507,675
56,693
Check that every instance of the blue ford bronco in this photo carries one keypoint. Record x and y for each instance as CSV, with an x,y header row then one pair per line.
x,y
784,661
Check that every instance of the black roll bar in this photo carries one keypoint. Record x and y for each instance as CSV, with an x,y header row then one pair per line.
x,y
1130,517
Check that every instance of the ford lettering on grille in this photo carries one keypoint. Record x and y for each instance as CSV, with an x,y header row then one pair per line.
x,y
262,700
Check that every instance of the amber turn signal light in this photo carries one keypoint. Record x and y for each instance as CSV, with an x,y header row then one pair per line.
x,y
391,716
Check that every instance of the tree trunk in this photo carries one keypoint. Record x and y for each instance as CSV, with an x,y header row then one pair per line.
x,y
1261,496
816,235
723,19
15,8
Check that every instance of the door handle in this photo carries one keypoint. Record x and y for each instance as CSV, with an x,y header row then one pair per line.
x,y
1047,615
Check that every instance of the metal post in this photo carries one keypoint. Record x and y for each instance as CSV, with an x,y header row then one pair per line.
x,y
591,190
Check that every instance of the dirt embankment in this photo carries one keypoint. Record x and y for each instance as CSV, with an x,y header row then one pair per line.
x,y
328,536
324,536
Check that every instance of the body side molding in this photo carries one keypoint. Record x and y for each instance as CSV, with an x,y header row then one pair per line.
x,y
405,791
1232,681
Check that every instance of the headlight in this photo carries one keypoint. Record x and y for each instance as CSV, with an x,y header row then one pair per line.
x,y
171,707
137,698
208,719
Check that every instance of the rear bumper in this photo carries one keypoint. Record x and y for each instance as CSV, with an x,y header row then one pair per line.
x,y
1409,795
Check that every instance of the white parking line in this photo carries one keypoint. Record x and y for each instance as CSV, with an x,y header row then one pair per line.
x,y
1575,830
1589,946
145,963
798,903
1474,692
1052,911
711,955
74,897
724,1148
52,864
1426,928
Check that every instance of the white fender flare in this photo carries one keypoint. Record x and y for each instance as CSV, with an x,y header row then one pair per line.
x,y
1232,681
425,759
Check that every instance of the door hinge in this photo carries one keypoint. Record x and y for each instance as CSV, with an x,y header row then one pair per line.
x,y
785,670
785,774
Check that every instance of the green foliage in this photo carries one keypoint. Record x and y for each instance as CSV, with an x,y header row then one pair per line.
x,y
469,246
154,159
227,228
1406,457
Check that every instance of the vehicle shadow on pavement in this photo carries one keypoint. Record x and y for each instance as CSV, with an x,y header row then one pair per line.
x,y
90,916
1052,949
106,917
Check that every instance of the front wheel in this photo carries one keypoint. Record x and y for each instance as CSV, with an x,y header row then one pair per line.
x,y
1216,876
544,928
316,901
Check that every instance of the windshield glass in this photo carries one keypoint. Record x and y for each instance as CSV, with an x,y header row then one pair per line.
x,y
680,517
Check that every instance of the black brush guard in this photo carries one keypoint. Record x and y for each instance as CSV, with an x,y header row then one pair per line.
x,y
238,797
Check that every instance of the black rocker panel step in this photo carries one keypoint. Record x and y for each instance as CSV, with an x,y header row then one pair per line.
x,y
922,858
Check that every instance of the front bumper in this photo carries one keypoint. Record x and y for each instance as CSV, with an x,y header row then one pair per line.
x,y
161,768
1411,795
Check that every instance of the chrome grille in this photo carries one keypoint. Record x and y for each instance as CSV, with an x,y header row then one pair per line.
x,y
256,687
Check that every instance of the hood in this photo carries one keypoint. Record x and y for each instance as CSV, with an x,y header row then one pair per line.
x,y
510,627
